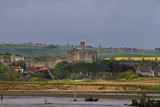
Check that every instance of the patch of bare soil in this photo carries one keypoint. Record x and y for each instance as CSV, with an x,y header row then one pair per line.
x,y
103,88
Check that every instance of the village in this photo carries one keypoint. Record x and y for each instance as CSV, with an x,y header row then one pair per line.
x,y
61,68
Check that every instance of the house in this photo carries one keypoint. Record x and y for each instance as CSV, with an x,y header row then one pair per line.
x,y
18,68
31,70
46,70
43,69
145,72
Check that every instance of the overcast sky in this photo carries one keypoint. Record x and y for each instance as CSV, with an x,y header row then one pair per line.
x,y
111,23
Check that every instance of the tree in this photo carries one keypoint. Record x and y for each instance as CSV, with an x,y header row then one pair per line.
x,y
52,46
76,76
73,76
20,63
16,76
6,74
85,67
105,66
39,75
126,67
62,70
115,66
3,68
60,66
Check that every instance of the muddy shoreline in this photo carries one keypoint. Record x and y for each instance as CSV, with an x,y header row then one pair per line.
x,y
80,94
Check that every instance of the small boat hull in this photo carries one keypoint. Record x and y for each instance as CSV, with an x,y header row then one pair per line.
x,y
91,99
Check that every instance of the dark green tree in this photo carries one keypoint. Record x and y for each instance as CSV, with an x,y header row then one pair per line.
x,y
20,63
105,66
3,68
7,74
115,66
62,70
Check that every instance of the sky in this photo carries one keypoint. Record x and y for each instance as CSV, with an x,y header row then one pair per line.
x,y
110,23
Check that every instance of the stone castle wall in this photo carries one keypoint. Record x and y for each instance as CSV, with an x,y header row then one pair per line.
x,y
17,58
31,61
48,63
2,59
81,55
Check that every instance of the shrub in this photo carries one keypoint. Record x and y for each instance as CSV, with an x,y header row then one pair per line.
x,y
126,75
133,77
87,80
39,75
101,88
35,79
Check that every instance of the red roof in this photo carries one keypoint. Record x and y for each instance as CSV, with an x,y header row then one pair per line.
x,y
43,69
31,68
17,67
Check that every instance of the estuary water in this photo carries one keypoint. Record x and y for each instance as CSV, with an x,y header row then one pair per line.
x,y
39,101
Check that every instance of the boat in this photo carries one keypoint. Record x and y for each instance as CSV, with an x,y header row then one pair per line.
x,y
75,100
91,99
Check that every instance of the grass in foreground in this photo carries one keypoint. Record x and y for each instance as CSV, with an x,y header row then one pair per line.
x,y
126,87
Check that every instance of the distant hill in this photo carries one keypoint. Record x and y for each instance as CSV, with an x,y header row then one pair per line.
x,y
55,50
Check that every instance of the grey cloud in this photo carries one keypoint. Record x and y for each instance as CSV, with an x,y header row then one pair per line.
x,y
116,23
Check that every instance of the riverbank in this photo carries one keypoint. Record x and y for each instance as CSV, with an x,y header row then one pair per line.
x,y
141,85
80,94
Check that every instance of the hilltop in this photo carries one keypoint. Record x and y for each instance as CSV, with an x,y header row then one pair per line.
x,y
58,50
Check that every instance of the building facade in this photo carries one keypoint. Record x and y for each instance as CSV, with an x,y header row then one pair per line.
x,y
81,55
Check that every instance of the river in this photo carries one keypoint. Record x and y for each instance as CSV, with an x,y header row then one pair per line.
x,y
39,101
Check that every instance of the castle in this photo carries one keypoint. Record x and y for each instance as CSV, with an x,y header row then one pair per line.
x,y
81,55
49,62
73,56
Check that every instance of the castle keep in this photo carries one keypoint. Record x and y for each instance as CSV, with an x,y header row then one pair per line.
x,y
81,55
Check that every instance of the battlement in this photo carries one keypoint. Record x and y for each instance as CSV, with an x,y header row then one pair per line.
x,y
81,55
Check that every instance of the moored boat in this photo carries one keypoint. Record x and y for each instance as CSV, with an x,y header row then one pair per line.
x,y
91,99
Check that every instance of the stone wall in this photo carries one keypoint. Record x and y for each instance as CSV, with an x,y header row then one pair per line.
x,y
5,61
81,55
90,56
48,63
29,61
2,59
17,58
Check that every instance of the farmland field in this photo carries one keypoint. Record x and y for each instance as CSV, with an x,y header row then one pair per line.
x,y
34,50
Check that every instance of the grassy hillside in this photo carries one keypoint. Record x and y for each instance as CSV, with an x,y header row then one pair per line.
x,y
43,50
30,50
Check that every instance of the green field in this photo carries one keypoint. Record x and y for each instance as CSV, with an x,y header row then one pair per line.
x,y
32,50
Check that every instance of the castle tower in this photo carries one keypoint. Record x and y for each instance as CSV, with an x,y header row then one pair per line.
x,y
82,45
81,55
13,55
82,52
13,52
